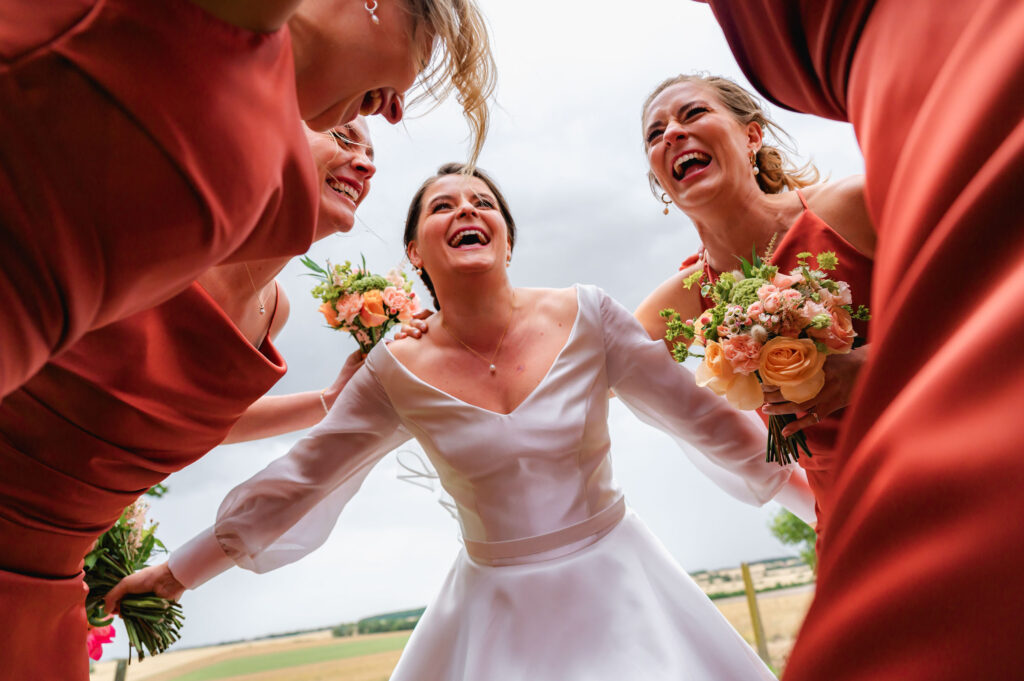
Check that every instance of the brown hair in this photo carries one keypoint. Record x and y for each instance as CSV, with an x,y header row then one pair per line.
x,y
776,171
461,61
416,207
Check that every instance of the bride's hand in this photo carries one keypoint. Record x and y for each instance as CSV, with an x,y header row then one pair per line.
x,y
415,328
155,579
841,373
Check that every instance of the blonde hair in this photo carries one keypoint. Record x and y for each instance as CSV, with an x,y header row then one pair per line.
x,y
461,61
776,171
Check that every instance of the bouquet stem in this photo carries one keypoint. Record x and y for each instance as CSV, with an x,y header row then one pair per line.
x,y
782,449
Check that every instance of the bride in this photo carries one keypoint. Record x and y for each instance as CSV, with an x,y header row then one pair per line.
x,y
508,395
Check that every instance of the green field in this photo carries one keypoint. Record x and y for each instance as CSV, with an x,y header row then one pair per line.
x,y
339,650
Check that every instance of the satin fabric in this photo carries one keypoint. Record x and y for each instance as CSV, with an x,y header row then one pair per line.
x,y
919,579
144,142
123,408
534,479
809,233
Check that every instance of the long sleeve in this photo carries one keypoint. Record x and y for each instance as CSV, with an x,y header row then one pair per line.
x,y
726,445
288,509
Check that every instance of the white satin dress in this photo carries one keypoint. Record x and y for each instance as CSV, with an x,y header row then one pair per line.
x,y
558,580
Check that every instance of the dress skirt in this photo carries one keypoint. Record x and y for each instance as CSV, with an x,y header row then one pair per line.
x,y
619,609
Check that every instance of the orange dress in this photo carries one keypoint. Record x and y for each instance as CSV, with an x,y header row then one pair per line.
x,y
921,576
123,408
810,233
143,142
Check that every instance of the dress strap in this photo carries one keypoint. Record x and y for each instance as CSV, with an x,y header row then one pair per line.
x,y
802,199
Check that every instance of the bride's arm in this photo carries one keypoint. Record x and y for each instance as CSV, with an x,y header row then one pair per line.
x,y
725,444
290,507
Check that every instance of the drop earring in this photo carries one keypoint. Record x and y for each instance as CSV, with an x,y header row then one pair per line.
x,y
667,201
753,162
372,9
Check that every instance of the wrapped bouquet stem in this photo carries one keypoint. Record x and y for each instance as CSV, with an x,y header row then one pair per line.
x,y
768,328
152,623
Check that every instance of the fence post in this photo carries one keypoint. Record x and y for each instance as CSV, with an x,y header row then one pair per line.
x,y
121,671
755,614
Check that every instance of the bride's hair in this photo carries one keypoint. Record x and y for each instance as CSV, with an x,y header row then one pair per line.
x,y
416,207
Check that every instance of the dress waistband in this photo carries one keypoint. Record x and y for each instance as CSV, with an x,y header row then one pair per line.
x,y
526,550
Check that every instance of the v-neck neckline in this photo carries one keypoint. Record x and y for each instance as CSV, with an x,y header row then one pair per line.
x,y
568,341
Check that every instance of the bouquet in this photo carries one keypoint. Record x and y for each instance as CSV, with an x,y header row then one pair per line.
x,y
772,328
152,622
366,305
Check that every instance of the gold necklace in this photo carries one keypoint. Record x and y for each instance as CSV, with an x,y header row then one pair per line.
x,y
263,308
490,362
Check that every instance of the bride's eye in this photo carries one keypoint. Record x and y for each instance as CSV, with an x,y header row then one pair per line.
x,y
484,203
439,206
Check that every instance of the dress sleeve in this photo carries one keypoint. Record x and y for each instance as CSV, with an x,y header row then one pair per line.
x,y
725,444
288,509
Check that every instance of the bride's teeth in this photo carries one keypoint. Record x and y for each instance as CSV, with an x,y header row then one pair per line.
x,y
457,239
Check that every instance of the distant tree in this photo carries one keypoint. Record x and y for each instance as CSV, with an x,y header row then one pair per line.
x,y
789,529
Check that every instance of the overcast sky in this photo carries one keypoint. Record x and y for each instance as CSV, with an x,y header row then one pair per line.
x,y
565,146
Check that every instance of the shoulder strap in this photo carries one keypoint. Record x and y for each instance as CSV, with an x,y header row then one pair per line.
x,y
802,199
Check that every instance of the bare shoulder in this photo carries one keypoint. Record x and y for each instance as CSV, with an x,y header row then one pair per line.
x,y
557,306
841,205
670,294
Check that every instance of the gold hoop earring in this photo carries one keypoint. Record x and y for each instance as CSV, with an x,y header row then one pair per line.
x,y
667,201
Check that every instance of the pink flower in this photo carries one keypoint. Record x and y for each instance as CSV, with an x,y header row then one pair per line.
x,y
784,281
772,300
838,337
396,278
791,296
755,310
96,638
811,309
743,353
409,311
348,307
362,337
395,298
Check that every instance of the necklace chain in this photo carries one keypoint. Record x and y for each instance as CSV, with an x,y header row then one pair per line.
x,y
263,308
497,348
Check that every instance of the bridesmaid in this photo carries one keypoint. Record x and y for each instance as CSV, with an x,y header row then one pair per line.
x,y
708,146
920,578
130,162
709,151
132,402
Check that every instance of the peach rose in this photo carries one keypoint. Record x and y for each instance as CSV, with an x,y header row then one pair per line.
x,y
329,314
715,373
412,306
373,313
743,353
395,298
348,307
838,337
795,366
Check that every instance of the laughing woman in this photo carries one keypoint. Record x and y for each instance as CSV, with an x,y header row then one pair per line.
x,y
709,149
508,394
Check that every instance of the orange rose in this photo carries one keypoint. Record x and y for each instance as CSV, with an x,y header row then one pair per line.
x,y
715,373
327,310
794,365
373,313
837,337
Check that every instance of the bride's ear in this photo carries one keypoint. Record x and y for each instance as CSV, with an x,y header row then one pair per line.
x,y
412,252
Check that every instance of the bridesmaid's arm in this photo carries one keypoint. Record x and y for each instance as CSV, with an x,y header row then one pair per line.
x,y
273,415
672,293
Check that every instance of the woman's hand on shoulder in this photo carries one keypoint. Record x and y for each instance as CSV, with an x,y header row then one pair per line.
x,y
416,327
841,204
672,293
156,579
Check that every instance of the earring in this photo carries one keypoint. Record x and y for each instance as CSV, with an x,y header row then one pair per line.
x,y
753,162
372,10
667,201
419,271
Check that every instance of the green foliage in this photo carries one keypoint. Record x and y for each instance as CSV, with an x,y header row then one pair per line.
x,y
157,490
790,530
694,278
745,291
395,621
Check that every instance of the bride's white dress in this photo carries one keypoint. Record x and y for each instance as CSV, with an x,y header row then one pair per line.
x,y
558,580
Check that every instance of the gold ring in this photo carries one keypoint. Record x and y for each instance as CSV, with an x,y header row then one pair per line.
x,y
817,416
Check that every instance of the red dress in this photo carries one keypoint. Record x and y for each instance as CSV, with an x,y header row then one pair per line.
x,y
143,142
123,408
810,233
921,575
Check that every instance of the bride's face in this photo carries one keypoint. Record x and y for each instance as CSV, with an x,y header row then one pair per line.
x,y
460,229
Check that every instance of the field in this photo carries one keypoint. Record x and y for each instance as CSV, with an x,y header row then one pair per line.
x,y
319,657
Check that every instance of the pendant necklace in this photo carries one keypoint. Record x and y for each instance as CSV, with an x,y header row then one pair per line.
x,y
263,309
497,349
